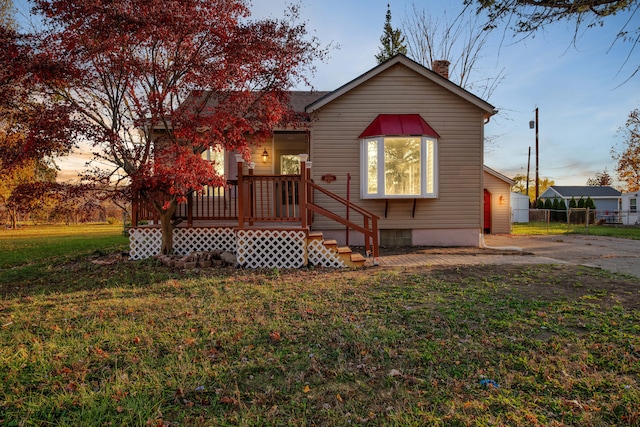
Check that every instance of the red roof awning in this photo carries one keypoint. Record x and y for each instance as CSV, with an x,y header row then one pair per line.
x,y
398,125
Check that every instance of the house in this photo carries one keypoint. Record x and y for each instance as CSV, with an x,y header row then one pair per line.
x,y
392,158
408,145
605,198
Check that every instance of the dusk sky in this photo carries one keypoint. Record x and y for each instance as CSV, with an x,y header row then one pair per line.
x,y
583,92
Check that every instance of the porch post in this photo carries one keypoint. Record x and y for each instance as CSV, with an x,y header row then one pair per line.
x,y
251,185
190,209
309,193
240,161
134,209
302,189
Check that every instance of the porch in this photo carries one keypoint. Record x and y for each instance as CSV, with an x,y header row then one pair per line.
x,y
266,220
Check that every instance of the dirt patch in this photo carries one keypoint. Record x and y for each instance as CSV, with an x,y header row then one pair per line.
x,y
542,282
554,282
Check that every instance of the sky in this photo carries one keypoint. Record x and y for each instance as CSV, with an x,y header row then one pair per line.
x,y
583,92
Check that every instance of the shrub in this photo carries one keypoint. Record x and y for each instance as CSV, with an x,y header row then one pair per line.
x,y
555,206
562,211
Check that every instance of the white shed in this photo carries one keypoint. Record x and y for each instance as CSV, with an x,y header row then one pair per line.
x,y
629,208
519,207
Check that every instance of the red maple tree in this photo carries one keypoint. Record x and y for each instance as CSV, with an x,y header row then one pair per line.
x,y
144,75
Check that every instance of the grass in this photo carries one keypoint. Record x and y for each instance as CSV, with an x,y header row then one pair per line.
x,y
53,243
542,228
136,343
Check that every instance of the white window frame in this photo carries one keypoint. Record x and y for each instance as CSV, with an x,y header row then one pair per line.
x,y
633,205
427,166
209,154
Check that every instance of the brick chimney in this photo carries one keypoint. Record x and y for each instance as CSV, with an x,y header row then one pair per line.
x,y
441,66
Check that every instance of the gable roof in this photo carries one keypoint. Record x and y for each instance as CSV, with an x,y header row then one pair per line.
x,y
418,68
498,175
298,99
577,191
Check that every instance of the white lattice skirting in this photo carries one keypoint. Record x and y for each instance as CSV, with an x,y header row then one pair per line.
x,y
271,248
323,256
253,248
146,241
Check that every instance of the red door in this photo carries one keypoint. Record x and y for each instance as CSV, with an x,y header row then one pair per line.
x,y
487,212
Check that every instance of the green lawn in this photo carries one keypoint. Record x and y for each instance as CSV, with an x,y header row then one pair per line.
x,y
34,244
537,228
130,343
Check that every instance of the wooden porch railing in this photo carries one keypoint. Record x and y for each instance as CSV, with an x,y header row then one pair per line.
x,y
270,199
214,203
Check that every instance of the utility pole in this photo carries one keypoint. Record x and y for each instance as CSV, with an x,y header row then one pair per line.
x,y
537,177
533,123
528,167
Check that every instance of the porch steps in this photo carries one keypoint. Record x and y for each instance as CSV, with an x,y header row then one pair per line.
x,y
339,254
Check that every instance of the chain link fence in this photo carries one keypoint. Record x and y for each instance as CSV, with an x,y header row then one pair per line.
x,y
575,218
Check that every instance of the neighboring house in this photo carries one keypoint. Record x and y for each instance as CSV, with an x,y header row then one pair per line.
x,y
399,150
629,209
519,208
605,198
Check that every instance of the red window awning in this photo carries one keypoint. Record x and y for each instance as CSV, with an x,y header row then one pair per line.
x,y
398,125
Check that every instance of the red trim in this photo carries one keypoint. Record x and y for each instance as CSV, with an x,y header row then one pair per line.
x,y
398,125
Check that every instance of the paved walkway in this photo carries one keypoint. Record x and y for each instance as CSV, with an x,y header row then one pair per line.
x,y
611,254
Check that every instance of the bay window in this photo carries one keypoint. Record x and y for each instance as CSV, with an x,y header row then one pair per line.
x,y
398,167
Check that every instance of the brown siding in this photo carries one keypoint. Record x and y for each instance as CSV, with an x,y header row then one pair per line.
x,y
500,211
399,90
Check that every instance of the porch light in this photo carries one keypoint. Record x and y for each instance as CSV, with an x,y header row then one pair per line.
x,y
265,156
501,200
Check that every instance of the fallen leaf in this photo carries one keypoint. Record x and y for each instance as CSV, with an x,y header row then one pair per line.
x,y
338,397
275,336
306,389
395,373
228,400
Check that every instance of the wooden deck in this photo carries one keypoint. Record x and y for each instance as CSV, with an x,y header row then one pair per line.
x,y
263,202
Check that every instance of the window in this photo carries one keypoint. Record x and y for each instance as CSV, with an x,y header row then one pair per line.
x,y
217,158
633,205
399,167
290,164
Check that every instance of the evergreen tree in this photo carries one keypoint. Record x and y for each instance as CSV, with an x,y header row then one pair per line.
x,y
562,214
591,205
556,207
581,215
392,40
572,205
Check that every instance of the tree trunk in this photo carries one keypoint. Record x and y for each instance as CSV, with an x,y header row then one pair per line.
x,y
166,226
13,217
167,232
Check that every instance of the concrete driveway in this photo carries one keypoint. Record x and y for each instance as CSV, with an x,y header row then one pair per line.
x,y
607,253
